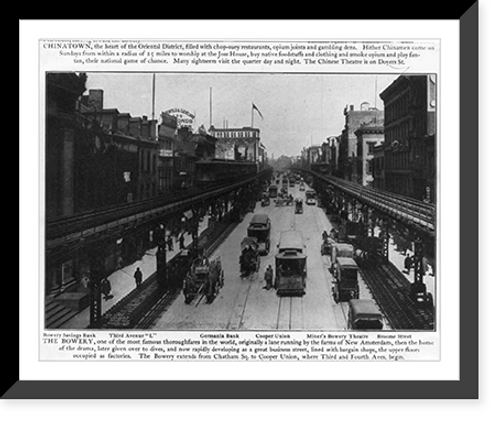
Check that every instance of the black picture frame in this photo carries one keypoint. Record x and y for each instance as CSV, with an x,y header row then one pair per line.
x,y
467,388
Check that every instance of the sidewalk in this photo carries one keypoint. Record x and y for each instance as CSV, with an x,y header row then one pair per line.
x,y
397,258
122,281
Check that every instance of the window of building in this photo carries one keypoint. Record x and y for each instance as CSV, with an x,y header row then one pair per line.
x,y
67,271
369,166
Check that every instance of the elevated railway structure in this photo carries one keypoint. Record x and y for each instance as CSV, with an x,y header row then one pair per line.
x,y
85,236
245,302
416,215
377,208
386,213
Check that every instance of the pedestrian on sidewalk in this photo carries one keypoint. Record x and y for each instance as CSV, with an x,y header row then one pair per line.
x,y
181,241
106,288
407,263
138,277
170,244
119,263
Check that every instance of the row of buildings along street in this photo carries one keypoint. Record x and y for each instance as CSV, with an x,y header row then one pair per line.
x,y
391,149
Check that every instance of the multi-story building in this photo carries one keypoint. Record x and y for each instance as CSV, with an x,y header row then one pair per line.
x,y
184,158
205,144
262,156
334,142
314,154
166,139
283,163
348,140
120,161
94,158
369,136
379,166
148,158
410,136
63,130
239,144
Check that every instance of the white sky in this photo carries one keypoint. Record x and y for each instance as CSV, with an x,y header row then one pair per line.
x,y
298,109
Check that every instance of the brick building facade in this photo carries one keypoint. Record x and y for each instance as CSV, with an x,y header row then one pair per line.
x,y
369,136
347,151
410,136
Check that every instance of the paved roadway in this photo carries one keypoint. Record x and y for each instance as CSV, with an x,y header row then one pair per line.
x,y
244,304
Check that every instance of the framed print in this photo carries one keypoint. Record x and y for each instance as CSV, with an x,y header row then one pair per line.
x,y
232,217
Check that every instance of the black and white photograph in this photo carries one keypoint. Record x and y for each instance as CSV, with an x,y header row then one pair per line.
x,y
241,201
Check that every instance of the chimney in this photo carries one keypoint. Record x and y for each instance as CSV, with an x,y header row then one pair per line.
x,y
145,127
153,128
135,126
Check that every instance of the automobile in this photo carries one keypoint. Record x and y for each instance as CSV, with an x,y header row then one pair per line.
x,y
260,229
364,315
302,187
310,197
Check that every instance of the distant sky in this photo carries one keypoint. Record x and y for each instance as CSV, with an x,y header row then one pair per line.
x,y
298,109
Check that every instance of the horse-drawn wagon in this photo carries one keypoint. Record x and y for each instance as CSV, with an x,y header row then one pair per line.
x,y
204,279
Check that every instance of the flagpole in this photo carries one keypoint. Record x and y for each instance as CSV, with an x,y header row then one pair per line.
x,y
153,97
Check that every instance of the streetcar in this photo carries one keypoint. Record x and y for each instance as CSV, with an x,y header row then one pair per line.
x,y
273,191
364,315
291,265
346,285
260,229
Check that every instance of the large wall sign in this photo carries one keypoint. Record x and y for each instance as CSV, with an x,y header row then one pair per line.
x,y
184,117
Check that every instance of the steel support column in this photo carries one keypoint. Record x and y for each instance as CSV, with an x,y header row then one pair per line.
x,y
195,223
418,266
386,239
366,221
96,276
161,256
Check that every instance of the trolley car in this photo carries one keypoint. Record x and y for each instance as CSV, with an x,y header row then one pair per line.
x,y
346,285
291,265
260,229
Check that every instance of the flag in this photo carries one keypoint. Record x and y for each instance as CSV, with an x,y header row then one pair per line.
x,y
254,107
